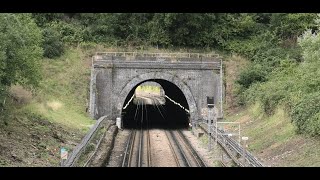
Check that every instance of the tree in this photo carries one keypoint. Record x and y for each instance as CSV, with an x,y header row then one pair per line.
x,y
20,50
52,45
290,26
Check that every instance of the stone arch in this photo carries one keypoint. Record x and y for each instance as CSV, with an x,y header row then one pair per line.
x,y
163,76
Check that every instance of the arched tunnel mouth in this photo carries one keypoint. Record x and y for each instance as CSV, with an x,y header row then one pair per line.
x,y
162,113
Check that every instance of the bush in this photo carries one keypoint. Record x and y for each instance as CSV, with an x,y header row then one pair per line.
x,y
296,86
52,45
3,95
252,74
70,32
306,114
253,45
272,96
310,43
246,48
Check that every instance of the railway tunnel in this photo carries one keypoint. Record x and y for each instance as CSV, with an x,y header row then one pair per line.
x,y
168,115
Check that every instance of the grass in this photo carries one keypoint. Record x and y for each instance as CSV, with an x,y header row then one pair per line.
x,y
64,116
233,65
273,138
63,94
35,126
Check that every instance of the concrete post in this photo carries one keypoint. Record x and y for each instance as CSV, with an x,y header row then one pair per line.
x,y
119,122
209,128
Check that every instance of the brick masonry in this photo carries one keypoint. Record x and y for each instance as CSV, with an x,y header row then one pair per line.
x,y
112,78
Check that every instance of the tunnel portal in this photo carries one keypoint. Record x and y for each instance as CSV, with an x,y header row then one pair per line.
x,y
187,79
159,114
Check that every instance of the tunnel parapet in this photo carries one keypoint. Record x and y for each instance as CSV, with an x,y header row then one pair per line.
x,y
205,61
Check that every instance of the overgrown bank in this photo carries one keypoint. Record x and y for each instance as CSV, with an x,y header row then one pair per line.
x,y
273,135
273,138
35,126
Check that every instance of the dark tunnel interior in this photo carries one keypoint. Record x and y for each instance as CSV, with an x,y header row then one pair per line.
x,y
166,116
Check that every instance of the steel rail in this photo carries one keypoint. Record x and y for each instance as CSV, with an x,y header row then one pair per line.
x,y
199,161
149,162
180,149
172,150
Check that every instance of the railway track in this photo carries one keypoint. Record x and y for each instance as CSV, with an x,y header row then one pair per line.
x,y
198,161
138,148
186,155
223,164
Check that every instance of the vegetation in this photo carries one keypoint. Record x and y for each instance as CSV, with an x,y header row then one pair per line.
x,y
38,124
20,52
269,41
272,138
294,85
46,55
52,45
62,95
148,89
